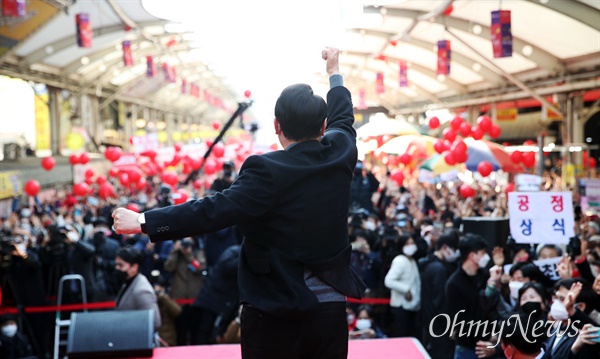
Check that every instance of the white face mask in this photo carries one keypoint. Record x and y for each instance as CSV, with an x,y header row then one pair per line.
x,y
427,239
558,311
594,271
483,261
409,249
9,330
350,318
370,226
514,289
74,237
451,255
362,324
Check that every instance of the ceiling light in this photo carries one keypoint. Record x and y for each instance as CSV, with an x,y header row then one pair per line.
x,y
441,77
476,67
85,60
49,49
544,1
102,67
383,11
527,50
476,29
140,123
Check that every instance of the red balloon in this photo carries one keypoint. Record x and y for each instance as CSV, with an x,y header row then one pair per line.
x,y
465,129
449,134
219,150
113,172
220,163
150,154
133,207
210,167
438,146
516,157
89,181
247,94
170,177
485,168
84,158
89,173
398,177
466,191
100,180
48,163
113,153
434,123
134,176
484,122
32,187
216,125
405,159
477,133
198,183
449,158
106,190
141,184
495,131
177,147
73,160
180,196
196,163
509,188
459,145
124,179
529,143
81,189
208,143
592,162
447,145
459,156
529,159
449,10
456,122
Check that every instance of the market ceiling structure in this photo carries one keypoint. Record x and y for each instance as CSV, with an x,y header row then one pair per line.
x,y
556,48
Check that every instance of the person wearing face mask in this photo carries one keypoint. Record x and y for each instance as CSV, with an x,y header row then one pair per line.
x,y
366,262
365,326
404,281
518,342
104,260
463,290
13,343
136,292
573,301
435,269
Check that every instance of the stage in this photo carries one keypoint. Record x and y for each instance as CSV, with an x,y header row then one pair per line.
x,y
406,348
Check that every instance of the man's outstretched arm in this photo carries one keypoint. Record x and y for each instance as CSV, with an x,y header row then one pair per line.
x,y
339,102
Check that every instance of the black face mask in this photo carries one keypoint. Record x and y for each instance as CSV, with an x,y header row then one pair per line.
x,y
121,276
530,307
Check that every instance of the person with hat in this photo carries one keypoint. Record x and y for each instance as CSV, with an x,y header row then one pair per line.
x,y
13,343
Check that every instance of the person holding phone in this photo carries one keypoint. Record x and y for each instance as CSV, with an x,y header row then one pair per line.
x,y
292,206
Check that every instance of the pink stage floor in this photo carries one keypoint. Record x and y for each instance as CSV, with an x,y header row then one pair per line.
x,y
405,348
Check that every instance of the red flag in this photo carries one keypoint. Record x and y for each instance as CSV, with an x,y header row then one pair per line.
x,y
403,72
379,86
150,68
127,57
84,30
501,34
13,8
443,65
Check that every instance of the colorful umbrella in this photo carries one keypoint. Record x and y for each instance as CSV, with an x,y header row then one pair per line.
x,y
381,127
437,165
418,146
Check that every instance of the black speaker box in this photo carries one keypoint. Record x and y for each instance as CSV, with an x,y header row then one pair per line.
x,y
494,230
111,334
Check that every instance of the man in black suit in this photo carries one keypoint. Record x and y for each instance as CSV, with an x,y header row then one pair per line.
x,y
292,207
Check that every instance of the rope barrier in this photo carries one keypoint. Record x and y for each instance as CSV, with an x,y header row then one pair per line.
x,y
111,304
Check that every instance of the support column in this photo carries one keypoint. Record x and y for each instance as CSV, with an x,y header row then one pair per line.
x,y
54,110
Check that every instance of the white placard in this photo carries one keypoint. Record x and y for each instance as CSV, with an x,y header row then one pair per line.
x,y
547,266
528,183
541,217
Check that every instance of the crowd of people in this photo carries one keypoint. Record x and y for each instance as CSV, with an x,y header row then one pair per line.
x,y
407,246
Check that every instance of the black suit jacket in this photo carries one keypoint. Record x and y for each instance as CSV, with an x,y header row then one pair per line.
x,y
292,207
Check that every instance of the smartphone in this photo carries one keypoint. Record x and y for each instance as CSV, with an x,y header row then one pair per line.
x,y
597,340
77,212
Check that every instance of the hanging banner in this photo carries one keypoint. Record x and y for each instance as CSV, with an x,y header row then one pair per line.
x,y
379,87
165,69
443,50
42,122
362,100
172,74
150,68
84,30
403,74
127,57
184,86
501,34
507,114
10,184
13,8
547,266
541,217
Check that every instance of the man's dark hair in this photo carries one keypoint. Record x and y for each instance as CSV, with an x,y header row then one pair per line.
x,y
449,238
539,288
523,339
401,242
300,112
470,243
528,269
130,255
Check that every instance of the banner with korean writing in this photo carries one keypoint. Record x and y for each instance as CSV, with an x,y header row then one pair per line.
x,y
379,87
10,184
403,74
127,56
150,67
546,266
501,34
541,217
84,30
443,52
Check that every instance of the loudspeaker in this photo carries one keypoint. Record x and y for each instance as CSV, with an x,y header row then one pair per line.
x,y
110,334
494,230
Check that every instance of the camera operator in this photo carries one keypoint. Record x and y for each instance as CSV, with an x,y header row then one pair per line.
x,y
363,185
13,343
104,263
225,178
64,253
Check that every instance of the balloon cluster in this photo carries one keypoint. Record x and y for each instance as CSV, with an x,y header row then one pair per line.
x,y
459,126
